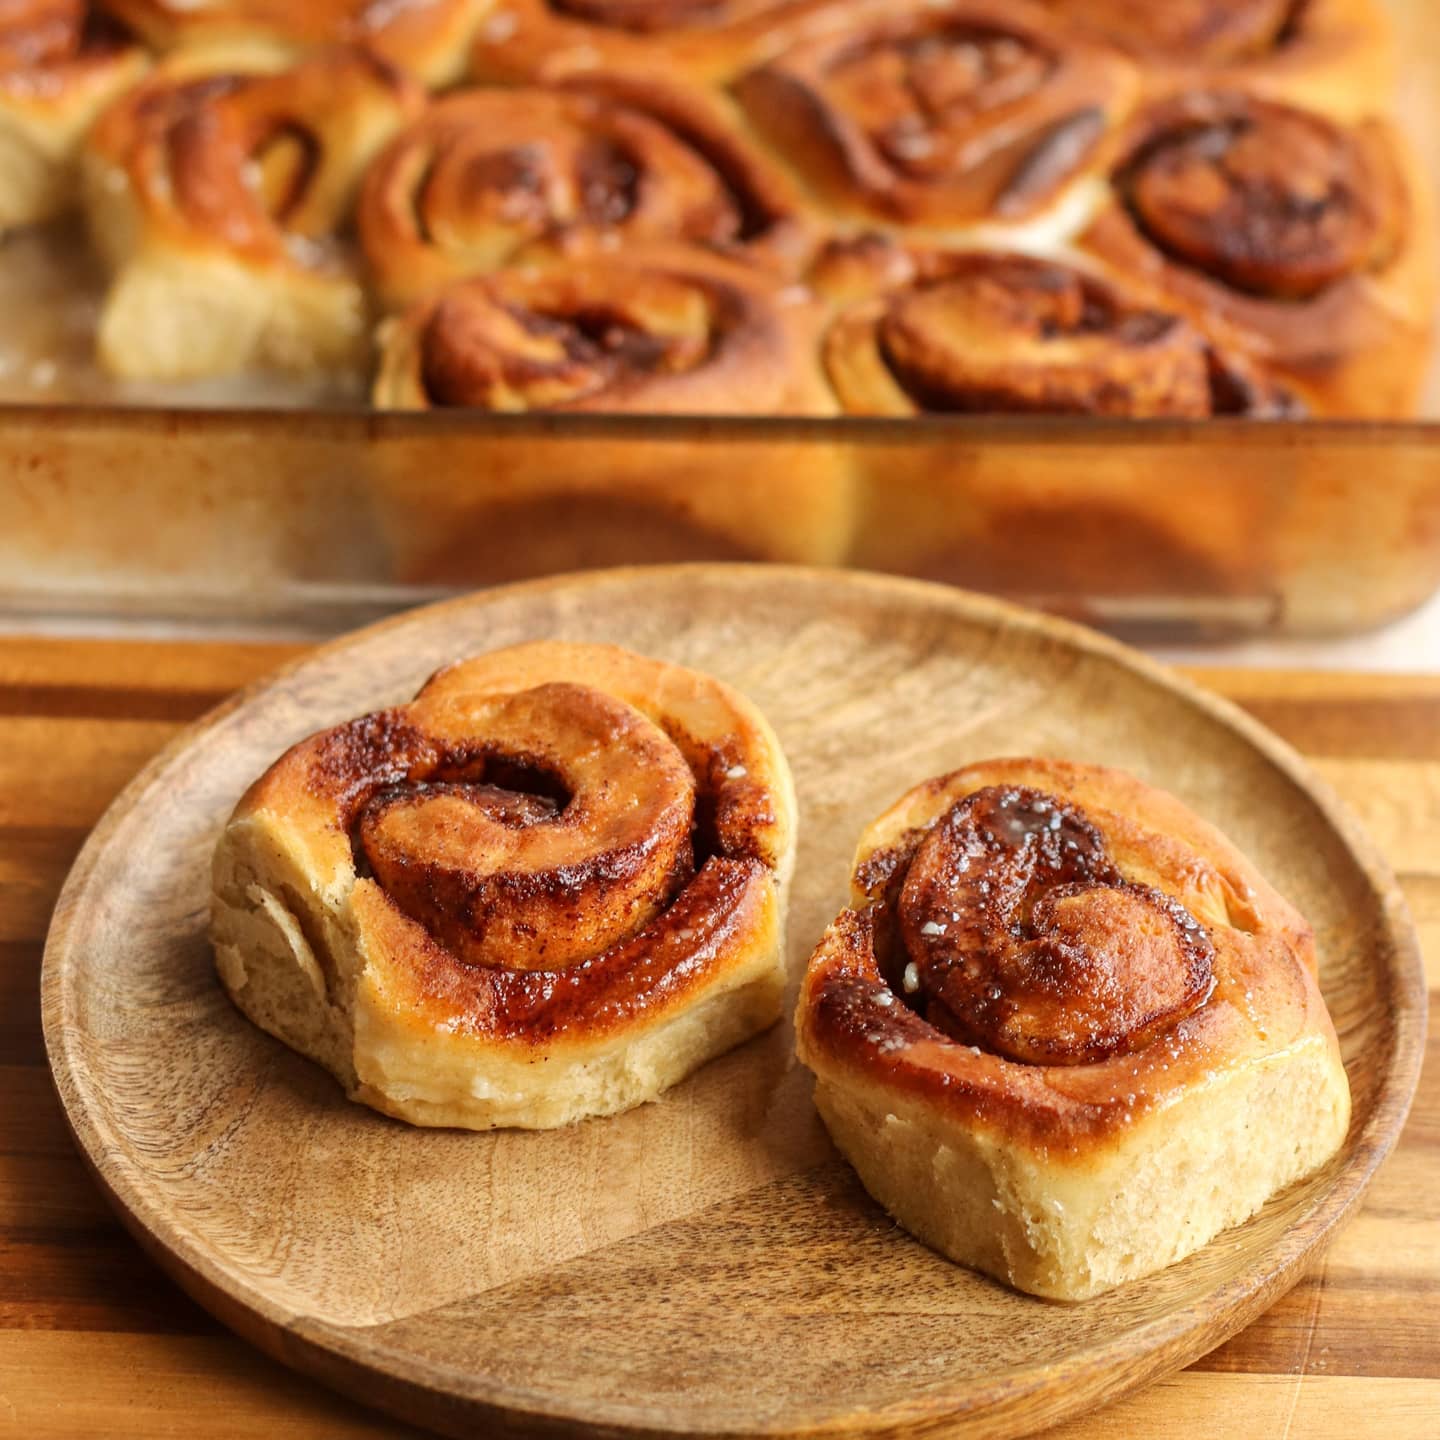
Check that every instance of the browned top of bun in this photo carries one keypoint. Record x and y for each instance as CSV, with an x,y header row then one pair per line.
x,y
548,838
1054,949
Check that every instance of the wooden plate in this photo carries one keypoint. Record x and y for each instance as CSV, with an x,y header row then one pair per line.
x,y
705,1264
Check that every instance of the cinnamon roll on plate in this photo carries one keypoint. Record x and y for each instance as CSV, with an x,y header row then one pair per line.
x,y
942,114
1302,242
427,38
550,887
60,66
218,201
594,162
1065,1032
1335,56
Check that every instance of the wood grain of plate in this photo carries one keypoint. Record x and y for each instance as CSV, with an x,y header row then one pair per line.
x,y
705,1264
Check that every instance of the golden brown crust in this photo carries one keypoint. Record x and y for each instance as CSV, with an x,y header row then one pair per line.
x,y
939,115
59,66
587,840
711,41
261,166
1333,55
594,161
664,330
427,38
1302,242
1139,958
922,330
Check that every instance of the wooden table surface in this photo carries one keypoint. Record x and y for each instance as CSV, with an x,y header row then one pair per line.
x,y
95,1341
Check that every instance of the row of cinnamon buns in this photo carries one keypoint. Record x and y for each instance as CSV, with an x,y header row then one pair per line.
x,y
793,207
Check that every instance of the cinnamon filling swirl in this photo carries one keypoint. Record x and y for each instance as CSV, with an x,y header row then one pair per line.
x,y
940,113
1010,927
1271,201
1013,334
562,832
597,161
529,343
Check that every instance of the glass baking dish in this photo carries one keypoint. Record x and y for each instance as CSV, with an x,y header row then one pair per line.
x,y
315,520
305,511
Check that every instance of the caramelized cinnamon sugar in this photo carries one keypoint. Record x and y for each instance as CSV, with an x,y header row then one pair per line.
x,y
1044,962
1026,938
1274,202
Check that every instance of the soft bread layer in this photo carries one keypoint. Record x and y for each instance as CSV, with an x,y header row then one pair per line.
x,y
1069,1229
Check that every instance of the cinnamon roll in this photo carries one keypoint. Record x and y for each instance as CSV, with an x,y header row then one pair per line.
x,y
59,67
1332,55
664,330
550,887
941,114
1306,244
427,38
593,161
983,331
1066,1032
708,41
218,198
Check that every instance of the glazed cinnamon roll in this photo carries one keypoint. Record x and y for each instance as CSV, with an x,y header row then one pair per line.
x,y
1304,243
1331,55
696,40
218,199
427,38
665,330
59,67
1066,1032
549,887
982,331
940,113
595,161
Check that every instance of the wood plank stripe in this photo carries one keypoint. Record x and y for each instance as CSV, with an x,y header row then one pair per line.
x,y
20,1039
1317,1407
97,758
143,1387
33,866
159,666
73,1286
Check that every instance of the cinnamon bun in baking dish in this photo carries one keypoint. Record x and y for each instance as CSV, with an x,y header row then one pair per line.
x,y
921,330
643,330
940,114
593,162
59,67
1302,242
549,887
217,198
1065,1032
